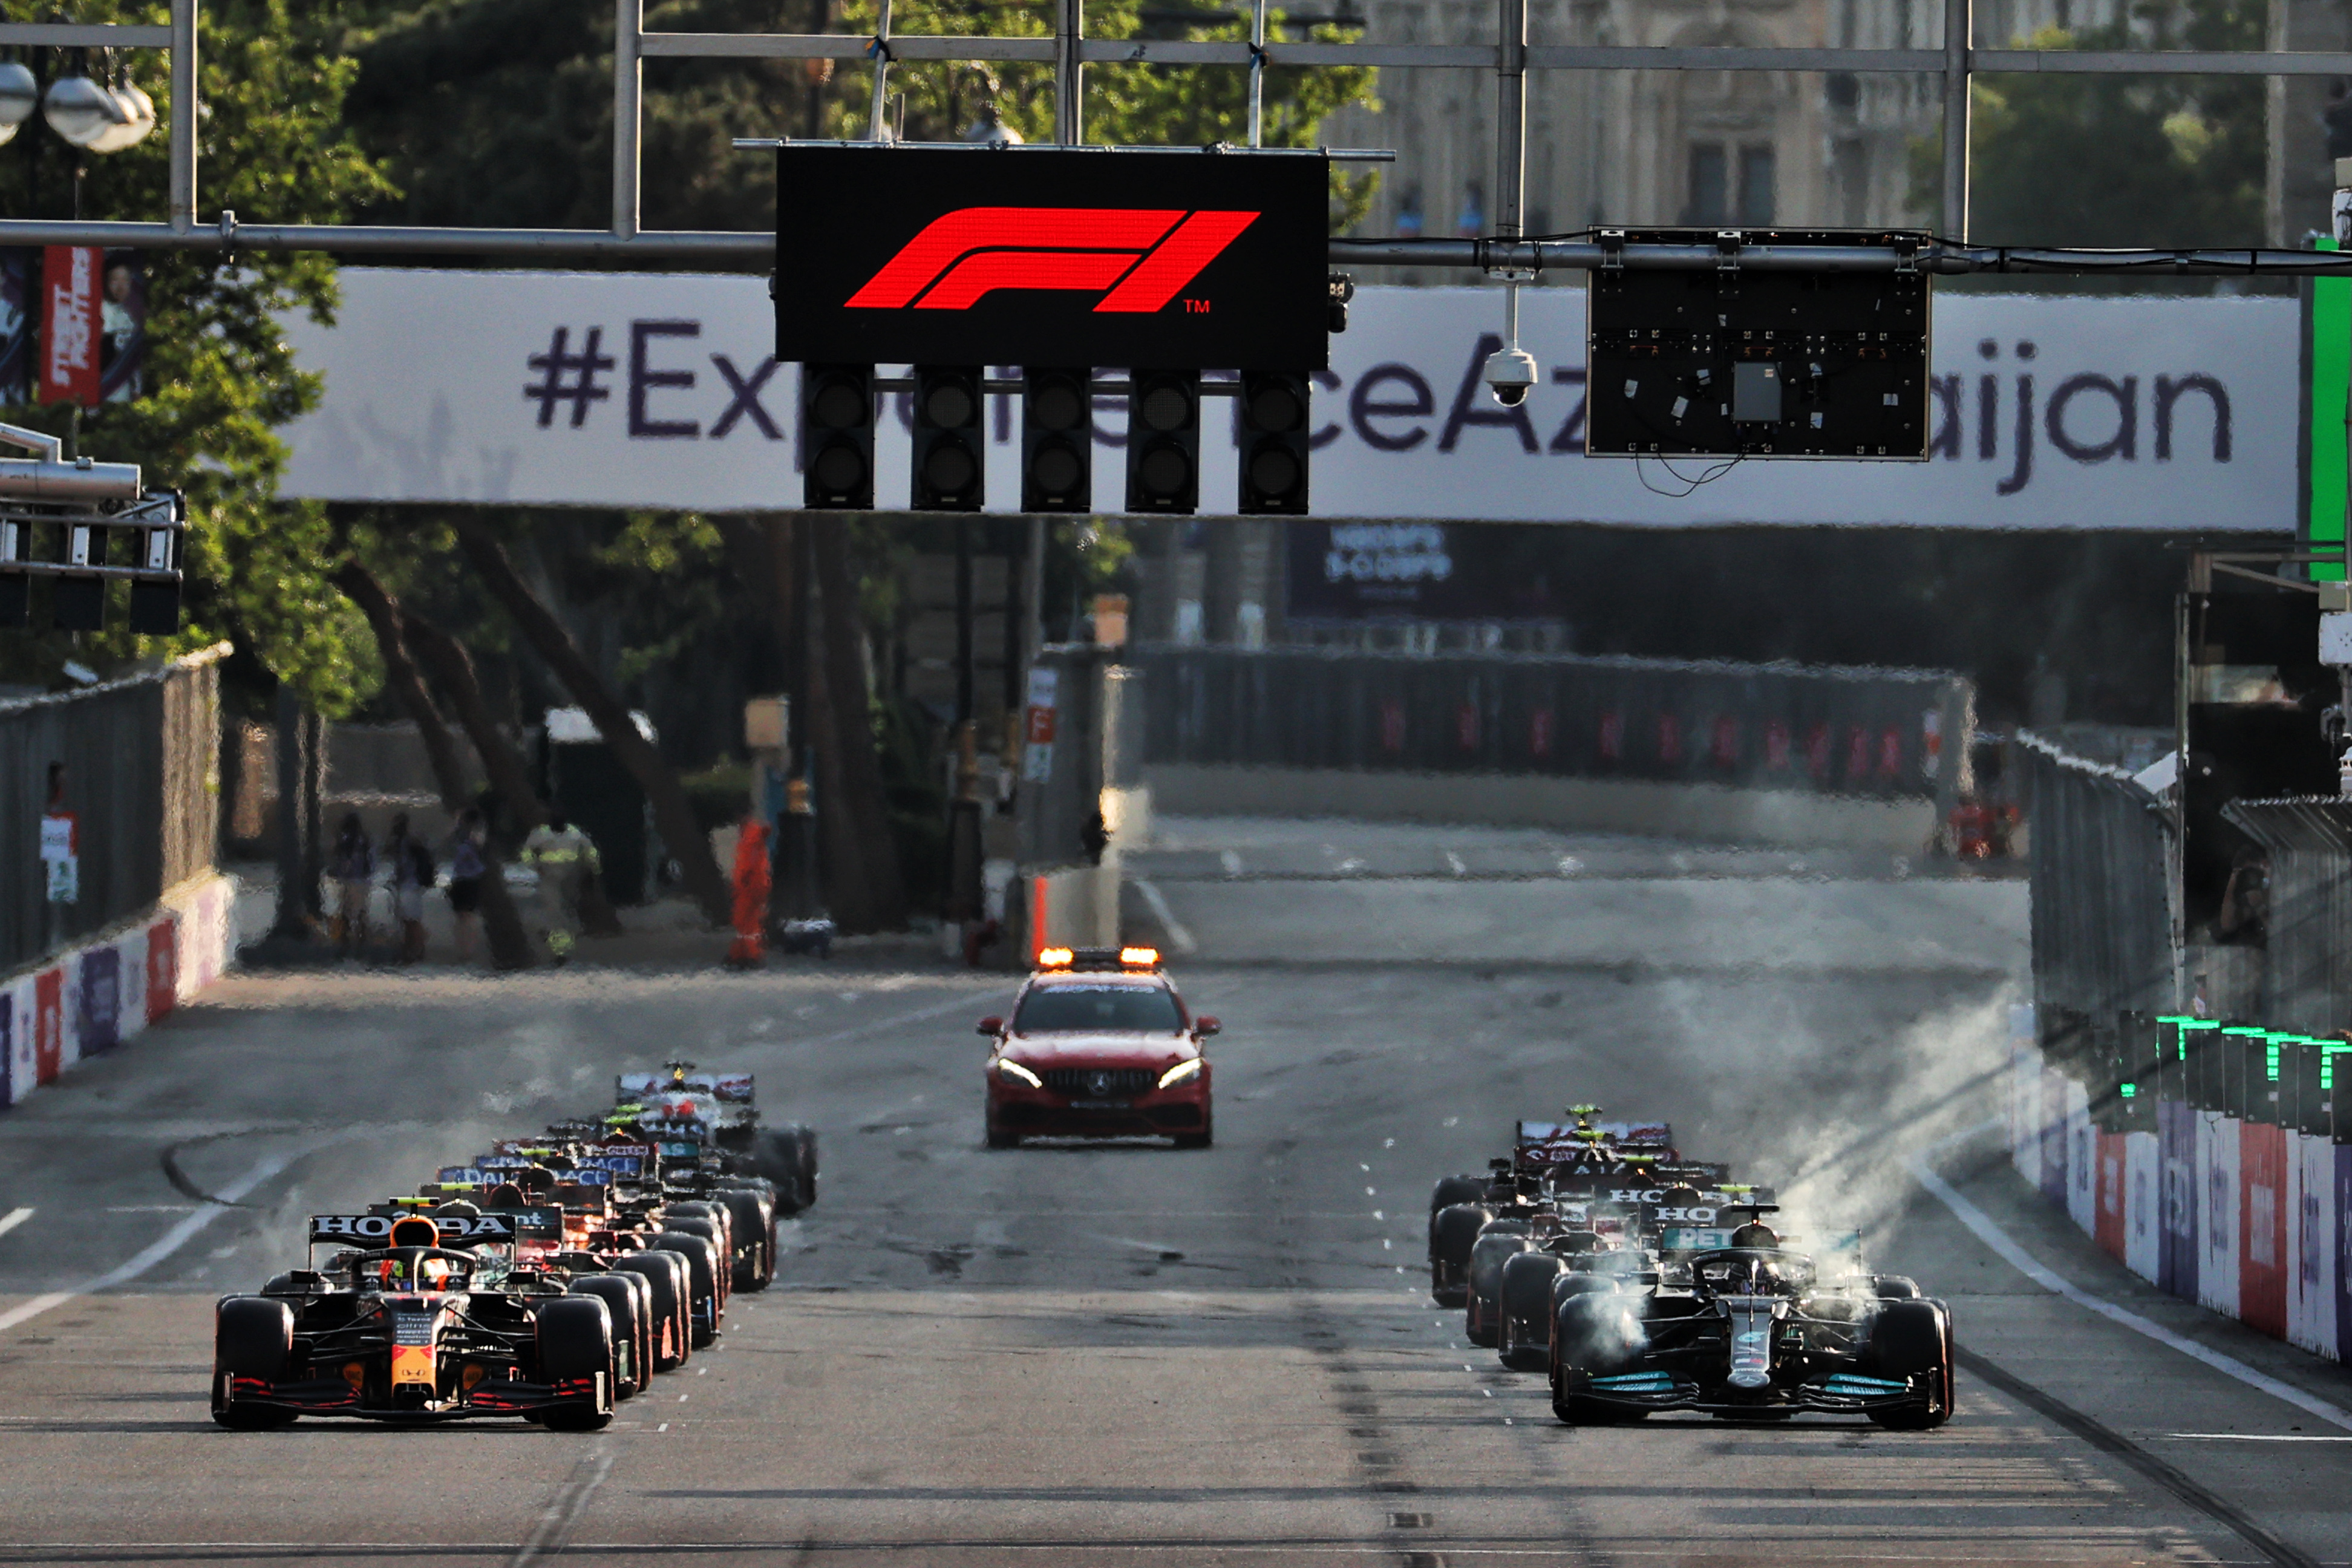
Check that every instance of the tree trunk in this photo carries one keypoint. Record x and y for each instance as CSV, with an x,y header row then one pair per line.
x,y
853,716
453,671
673,812
509,943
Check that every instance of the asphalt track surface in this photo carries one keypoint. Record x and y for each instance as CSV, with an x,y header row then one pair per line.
x,y
1127,1354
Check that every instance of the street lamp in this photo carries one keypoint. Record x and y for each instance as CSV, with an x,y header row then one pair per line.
x,y
97,117
20,94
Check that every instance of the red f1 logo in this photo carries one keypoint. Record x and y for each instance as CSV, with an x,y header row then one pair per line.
x,y
1141,258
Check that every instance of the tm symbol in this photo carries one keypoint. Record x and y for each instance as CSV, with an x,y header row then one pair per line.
x,y
1196,307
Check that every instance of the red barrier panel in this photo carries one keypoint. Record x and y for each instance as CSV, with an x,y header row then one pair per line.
x,y
2108,1162
2262,1229
163,969
48,1024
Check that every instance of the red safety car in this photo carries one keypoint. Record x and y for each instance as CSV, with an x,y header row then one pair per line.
x,y
1100,1045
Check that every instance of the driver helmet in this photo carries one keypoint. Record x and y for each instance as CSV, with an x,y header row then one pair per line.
x,y
1756,1233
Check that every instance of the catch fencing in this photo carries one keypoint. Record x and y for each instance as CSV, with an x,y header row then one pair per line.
x,y
1884,734
2180,1102
141,759
2099,858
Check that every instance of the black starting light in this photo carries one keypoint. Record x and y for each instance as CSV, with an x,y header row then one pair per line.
x,y
951,447
838,446
1057,470
1163,441
1275,431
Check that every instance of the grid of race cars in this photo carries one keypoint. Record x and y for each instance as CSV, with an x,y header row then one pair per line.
x,y
1639,1281
549,1277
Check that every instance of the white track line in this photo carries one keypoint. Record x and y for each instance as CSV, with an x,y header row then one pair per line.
x,y
1993,1237
14,1218
1178,937
164,1245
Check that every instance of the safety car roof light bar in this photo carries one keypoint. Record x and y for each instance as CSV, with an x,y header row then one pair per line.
x,y
1070,51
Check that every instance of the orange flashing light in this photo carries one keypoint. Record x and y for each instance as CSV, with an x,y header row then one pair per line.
x,y
1055,957
1139,957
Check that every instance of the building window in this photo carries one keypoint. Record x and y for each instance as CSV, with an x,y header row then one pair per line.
x,y
1755,186
1710,184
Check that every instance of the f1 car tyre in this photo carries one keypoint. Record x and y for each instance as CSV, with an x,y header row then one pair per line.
x,y
702,1270
1481,1311
1452,1234
1894,1288
619,1292
1593,1334
1524,1333
667,1275
1449,1190
754,1215
575,1341
1909,1338
786,1155
698,1220
1205,1137
252,1337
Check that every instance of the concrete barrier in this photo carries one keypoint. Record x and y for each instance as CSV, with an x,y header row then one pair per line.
x,y
106,991
2245,1218
1713,812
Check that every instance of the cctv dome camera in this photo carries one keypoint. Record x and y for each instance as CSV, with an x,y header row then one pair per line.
x,y
1510,375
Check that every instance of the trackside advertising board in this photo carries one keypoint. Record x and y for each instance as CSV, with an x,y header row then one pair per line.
x,y
636,390
1178,259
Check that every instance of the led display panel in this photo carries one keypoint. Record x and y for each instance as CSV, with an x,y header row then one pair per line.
x,y
1731,361
1182,260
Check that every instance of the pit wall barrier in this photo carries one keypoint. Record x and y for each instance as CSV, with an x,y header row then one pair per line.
x,y
105,992
2199,1171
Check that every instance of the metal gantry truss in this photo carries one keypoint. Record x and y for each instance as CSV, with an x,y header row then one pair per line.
x,y
1070,51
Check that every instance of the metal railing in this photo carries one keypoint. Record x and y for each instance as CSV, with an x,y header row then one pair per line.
x,y
142,762
1070,51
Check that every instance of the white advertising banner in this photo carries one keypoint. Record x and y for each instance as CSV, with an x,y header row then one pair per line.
x,y
658,390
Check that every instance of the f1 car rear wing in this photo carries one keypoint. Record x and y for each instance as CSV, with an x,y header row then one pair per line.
x,y
1537,1144
734,1088
370,1231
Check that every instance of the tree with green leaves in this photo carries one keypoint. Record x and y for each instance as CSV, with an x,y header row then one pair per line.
x,y
220,379
2119,160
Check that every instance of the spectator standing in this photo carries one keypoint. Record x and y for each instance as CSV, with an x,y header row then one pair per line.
x,y
353,868
468,866
410,871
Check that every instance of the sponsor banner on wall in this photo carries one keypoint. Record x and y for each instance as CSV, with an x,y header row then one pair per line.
x,y
2343,1152
2312,1257
19,269
2217,1212
2081,1160
661,390
2143,1206
2176,1131
72,291
2053,1119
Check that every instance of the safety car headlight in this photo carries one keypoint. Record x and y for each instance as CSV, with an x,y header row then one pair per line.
x,y
1184,1072
1013,1072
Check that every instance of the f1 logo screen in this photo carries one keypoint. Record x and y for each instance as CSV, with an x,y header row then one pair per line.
x,y
1179,259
